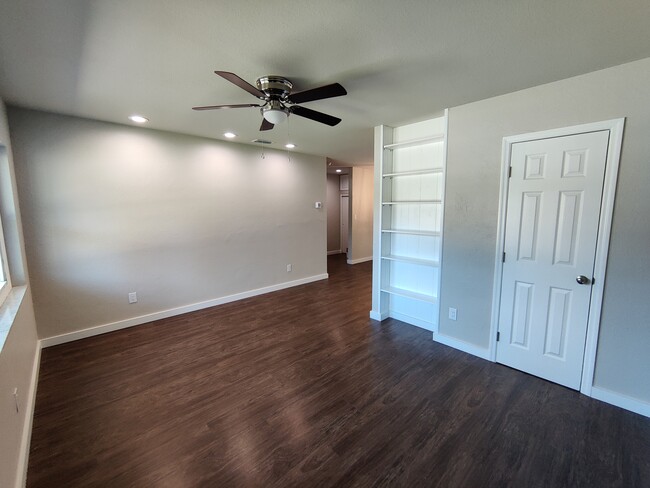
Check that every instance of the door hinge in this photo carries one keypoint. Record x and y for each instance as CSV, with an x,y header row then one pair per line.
x,y
503,258
498,336
593,281
510,172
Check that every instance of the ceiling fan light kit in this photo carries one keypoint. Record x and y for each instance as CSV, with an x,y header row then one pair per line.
x,y
279,101
274,112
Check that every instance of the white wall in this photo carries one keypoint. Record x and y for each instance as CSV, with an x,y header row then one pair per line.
x,y
476,131
361,224
20,351
180,220
333,213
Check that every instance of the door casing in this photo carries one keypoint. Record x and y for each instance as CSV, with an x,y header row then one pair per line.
x,y
615,128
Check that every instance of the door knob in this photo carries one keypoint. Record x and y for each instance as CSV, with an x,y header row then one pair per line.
x,y
583,280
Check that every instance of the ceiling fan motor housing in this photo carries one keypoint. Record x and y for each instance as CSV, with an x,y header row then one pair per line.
x,y
276,87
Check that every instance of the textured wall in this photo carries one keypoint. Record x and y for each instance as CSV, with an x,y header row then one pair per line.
x,y
110,209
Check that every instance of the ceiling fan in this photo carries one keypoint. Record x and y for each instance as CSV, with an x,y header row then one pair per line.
x,y
279,101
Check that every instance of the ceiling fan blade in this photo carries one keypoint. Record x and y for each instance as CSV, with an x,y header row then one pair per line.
x,y
327,91
214,107
314,115
241,83
266,125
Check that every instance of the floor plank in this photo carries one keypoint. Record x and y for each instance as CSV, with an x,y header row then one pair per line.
x,y
299,388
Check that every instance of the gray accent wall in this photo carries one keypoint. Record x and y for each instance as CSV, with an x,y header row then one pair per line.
x,y
476,131
111,209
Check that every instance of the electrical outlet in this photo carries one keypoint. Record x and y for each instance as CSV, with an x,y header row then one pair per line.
x,y
289,267
133,297
452,313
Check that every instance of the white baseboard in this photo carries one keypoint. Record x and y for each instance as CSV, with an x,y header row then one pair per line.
x,y
30,405
338,251
423,324
462,346
143,319
628,403
378,316
404,318
360,260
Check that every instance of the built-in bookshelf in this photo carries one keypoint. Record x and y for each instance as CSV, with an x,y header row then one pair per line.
x,y
409,199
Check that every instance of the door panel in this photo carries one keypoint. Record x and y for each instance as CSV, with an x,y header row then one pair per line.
x,y
568,222
553,211
558,306
530,204
521,314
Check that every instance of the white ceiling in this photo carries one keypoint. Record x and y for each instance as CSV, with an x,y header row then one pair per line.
x,y
399,61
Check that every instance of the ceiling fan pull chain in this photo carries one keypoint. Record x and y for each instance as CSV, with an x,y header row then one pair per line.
x,y
288,141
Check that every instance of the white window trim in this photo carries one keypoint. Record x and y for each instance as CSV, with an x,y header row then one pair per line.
x,y
5,277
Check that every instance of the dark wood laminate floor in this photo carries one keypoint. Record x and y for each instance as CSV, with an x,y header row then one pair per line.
x,y
299,388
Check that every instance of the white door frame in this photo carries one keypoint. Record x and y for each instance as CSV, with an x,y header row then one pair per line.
x,y
615,128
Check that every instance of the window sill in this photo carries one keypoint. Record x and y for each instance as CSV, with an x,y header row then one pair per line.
x,y
9,310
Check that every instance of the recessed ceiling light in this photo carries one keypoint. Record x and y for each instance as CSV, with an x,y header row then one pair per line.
x,y
138,119
229,135
338,170
289,146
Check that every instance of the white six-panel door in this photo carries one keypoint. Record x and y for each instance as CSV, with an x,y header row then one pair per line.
x,y
553,209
